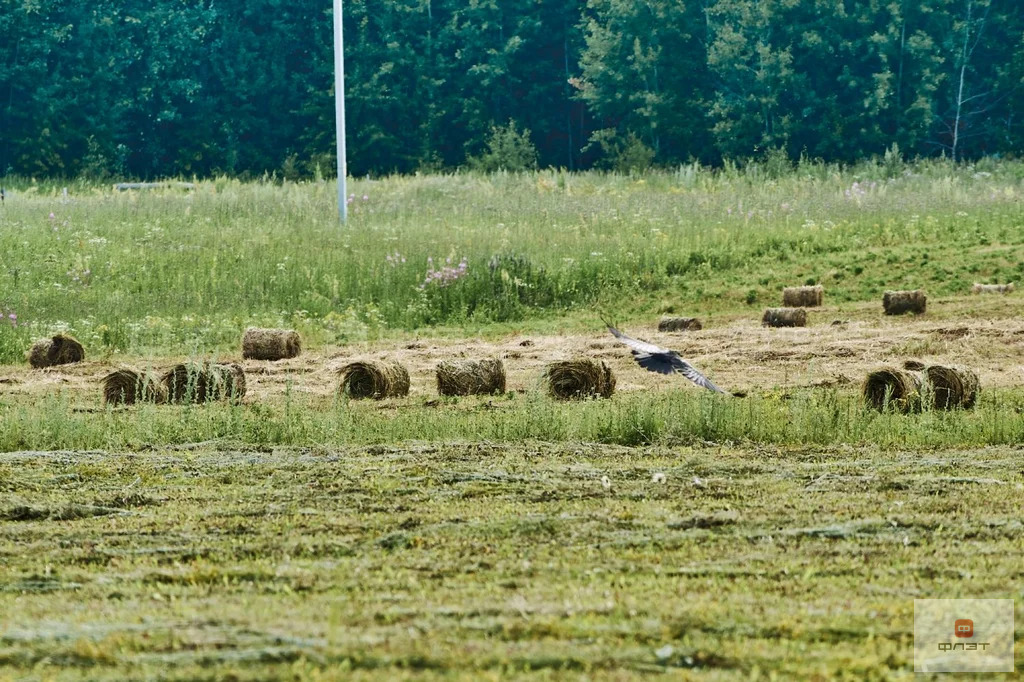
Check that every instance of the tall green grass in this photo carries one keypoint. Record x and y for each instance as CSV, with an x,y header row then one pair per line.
x,y
823,417
149,271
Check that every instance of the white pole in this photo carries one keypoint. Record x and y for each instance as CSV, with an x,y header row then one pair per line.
x,y
339,111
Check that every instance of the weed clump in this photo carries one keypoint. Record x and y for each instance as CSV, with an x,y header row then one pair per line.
x,y
784,317
471,377
270,344
894,388
580,378
900,302
377,380
803,297
679,324
127,387
61,349
200,383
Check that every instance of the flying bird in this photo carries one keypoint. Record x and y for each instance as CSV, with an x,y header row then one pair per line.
x,y
662,360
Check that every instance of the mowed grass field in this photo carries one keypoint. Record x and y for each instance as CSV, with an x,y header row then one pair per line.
x,y
301,535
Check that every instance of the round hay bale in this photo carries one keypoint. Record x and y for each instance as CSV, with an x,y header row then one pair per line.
x,y
127,387
471,377
992,288
914,365
898,389
580,378
60,349
270,344
784,317
900,302
377,380
200,383
679,324
953,387
803,297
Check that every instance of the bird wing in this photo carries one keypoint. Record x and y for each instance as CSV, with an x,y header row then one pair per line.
x,y
662,360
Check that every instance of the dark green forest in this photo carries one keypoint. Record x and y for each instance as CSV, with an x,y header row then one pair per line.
x,y
133,88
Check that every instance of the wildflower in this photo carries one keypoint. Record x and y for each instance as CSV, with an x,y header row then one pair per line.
x,y
366,198
665,652
698,481
606,482
52,217
658,477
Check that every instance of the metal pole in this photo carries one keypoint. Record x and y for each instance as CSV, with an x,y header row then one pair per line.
x,y
339,111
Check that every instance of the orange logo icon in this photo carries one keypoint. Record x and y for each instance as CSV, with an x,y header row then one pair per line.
x,y
963,627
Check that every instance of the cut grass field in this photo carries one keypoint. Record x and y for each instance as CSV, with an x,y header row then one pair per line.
x,y
480,561
301,535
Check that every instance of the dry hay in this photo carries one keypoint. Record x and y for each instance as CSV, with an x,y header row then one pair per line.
x,y
470,377
992,288
803,297
61,349
270,344
127,387
200,383
784,317
900,302
953,387
377,380
898,389
580,378
679,324
914,365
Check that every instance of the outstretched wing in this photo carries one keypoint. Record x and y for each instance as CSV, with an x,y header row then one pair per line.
x,y
662,360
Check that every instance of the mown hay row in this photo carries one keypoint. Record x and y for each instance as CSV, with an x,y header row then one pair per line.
x,y
127,387
894,388
270,344
992,288
803,297
953,387
679,324
784,317
377,380
580,378
471,377
60,349
200,383
900,302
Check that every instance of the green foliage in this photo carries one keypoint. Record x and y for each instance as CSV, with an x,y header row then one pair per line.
x,y
508,149
162,88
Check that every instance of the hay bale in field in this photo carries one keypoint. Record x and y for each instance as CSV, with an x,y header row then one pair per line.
x,y
60,349
270,344
900,302
953,387
803,297
470,377
679,324
914,365
992,288
784,317
200,383
580,378
127,387
377,380
899,389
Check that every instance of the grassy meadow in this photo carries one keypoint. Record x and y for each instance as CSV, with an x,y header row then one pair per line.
x,y
301,535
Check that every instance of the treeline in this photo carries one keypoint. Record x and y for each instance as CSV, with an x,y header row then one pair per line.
x,y
243,87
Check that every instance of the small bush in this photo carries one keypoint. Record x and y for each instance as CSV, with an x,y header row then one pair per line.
x,y
508,149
